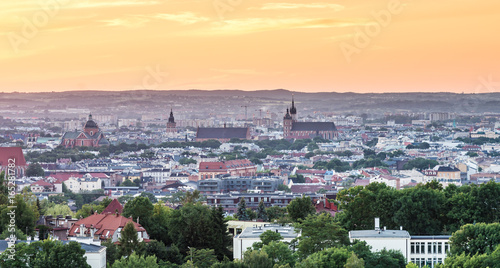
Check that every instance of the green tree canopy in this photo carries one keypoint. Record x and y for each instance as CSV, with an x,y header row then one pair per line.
x,y
35,170
300,208
136,261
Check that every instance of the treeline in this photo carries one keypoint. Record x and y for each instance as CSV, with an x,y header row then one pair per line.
x,y
422,210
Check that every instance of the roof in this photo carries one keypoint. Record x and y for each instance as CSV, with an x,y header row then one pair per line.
x,y
106,225
42,183
313,126
113,207
222,133
379,234
448,169
255,232
90,248
309,188
447,237
210,166
238,163
7,153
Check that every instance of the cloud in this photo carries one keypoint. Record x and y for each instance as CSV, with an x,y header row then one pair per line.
x,y
99,4
183,18
131,22
243,26
274,6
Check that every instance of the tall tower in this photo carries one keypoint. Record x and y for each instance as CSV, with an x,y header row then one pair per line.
x,y
293,111
171,125
287,125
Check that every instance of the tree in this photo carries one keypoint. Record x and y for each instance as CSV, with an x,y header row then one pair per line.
x,y
128,183
150,196
274,213
26,213
319,232
420,210
360,205
266,238
420,164
257,259
87,210
141,210
386,258
202,258
136,261
299,208
35,170
47,253
187,227
261,211
330,257
128,239
354,262
242,213
158,225
279,253
112,252
476,238
221,239
187,161
191,197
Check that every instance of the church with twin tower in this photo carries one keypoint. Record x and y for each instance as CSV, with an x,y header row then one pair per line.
x,y
293,129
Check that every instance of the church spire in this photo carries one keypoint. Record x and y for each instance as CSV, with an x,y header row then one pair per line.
x,y
171,118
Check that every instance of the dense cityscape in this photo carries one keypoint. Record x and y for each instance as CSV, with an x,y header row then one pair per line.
x,y
287,186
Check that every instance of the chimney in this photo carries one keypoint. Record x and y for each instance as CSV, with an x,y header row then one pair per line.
x,y
377,223
401,228
385,228
81,229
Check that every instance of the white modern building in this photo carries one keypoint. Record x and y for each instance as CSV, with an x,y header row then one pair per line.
x,y
421,250
251,235
159,175
86,183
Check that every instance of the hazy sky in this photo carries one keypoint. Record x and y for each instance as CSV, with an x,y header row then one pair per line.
x,y
340,45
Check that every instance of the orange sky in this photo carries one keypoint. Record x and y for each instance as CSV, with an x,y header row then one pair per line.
x,y
426,45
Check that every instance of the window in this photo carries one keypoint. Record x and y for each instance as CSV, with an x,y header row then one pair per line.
x,y
440,247
434,246
429,248
446,247
412,247
422,247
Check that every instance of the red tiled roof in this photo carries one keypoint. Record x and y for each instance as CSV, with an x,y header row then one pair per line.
x,y
106,225
42,183
7,153
64,176
204,166
113,207
238,163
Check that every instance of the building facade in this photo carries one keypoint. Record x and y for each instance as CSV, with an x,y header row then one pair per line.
x,y
292,129
171,125
91,136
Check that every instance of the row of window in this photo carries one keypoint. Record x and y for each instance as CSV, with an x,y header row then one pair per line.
x,y
421,262
432,247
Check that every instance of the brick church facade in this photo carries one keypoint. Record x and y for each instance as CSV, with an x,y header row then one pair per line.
x,y
91,136
292,129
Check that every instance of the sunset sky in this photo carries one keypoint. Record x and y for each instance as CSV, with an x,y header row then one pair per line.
x,y
425,45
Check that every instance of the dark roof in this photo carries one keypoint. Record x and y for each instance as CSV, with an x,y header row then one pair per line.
x,y
171,118
448,169
90,123
87,247
313,126
222,133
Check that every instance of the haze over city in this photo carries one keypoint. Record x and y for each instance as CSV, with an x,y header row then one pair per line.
x,y
320,46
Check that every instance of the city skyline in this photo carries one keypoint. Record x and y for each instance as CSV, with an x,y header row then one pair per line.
x,y
334,46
